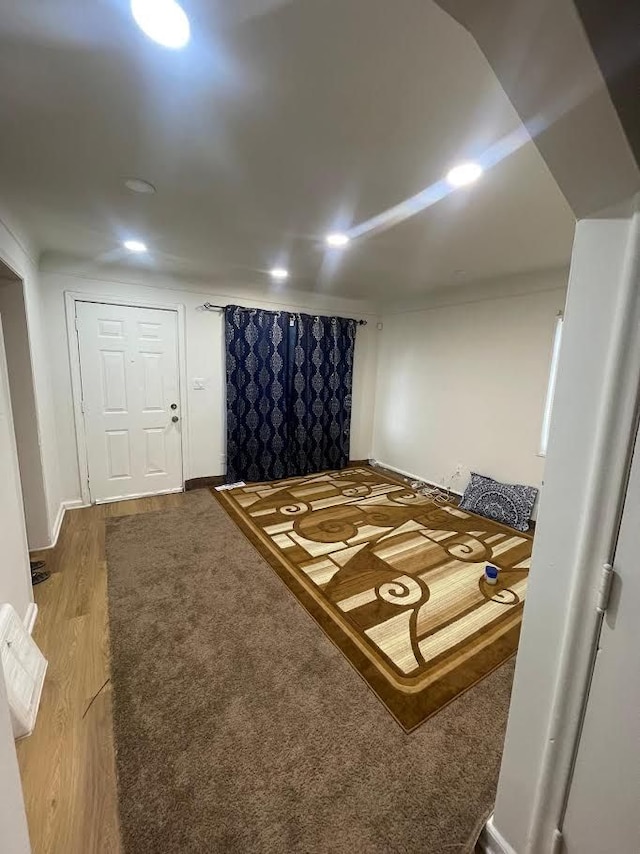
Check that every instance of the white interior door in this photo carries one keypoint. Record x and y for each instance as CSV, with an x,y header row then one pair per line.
x,y
130,399
603,812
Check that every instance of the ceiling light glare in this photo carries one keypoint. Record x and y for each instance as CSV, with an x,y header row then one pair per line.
x,y
164,21
135,246
463,174
279,274
337,240
138,185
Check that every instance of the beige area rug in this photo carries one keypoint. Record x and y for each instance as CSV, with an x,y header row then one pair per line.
x,y
240,728
396,581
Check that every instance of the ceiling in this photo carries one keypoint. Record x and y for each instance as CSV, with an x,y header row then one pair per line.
x,y
554,75
613,29
279,122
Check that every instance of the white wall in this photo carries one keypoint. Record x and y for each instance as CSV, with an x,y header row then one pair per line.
x,y
591,424
23,405
18,254
14,836
15,588
15,576
15,585
462,382
205,355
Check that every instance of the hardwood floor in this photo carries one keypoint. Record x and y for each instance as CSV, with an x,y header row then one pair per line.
x,y
67,765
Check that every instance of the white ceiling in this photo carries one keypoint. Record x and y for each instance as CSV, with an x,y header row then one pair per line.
x,y
279,122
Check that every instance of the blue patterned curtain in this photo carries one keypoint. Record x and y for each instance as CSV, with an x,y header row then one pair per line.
x,y
289,380
257,370
320,409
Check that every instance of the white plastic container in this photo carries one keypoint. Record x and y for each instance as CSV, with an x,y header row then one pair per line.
x,y
491,574
24,667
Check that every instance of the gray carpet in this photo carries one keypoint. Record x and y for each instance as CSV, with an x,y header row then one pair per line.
x,y
240,727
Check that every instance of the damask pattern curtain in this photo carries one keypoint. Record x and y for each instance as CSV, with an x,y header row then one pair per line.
x,y
320,410
257,351
289,379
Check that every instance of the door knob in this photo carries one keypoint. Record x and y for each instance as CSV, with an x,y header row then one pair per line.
x,y
175,418
174,406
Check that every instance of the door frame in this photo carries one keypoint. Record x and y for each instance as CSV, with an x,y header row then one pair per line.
x,y
70,300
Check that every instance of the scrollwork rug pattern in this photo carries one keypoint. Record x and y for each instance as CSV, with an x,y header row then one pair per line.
x,y
396,581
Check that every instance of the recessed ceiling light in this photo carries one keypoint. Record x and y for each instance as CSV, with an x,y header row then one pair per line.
x,y
135,246
137,185
337,239
164,21
279,274
464,173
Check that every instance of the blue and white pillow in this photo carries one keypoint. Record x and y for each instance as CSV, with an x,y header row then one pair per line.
x,y
510,504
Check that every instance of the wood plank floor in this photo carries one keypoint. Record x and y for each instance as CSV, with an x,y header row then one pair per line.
x,y
67,765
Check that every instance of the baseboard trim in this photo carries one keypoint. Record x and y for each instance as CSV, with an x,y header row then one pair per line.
x,y
491,841
30,617
72,504
57,525
204,482
413,476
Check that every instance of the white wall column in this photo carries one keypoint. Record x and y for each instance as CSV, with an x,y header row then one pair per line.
x,y
25,416
13,820
591,428
19,255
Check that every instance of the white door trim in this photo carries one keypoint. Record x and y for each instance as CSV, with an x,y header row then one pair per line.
x,y
70,299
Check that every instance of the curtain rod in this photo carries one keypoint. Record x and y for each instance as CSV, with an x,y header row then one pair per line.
x,y
207,306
